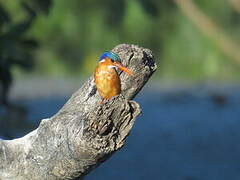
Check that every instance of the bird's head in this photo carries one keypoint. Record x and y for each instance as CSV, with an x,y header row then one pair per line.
x,y
113,61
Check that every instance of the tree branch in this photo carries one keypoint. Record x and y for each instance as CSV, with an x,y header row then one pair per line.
x,y
84,132
209,28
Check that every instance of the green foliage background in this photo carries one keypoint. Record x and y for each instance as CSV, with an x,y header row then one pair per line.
x,y
74,33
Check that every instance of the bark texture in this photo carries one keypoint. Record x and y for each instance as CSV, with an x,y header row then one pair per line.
x,y
84,132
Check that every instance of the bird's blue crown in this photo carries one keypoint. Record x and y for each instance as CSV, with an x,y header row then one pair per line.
x,y
111,55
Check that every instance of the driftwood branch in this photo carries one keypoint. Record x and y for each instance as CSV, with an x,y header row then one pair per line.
x,y
84,132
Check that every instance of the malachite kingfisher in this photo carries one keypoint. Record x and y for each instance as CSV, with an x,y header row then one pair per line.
x,y
106,77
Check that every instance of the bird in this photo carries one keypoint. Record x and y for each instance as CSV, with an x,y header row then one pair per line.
x,y
106,77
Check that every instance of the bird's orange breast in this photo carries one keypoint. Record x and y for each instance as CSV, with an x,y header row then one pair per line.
x,y
107,81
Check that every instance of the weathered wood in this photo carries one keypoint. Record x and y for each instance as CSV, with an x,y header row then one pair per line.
x,y
84,132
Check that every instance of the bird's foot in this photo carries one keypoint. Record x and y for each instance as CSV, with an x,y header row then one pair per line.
x,y
103,101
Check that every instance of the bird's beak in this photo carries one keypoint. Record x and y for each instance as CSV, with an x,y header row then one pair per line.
x,y
123,68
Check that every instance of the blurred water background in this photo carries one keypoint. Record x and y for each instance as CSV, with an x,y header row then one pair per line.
x,y
189,129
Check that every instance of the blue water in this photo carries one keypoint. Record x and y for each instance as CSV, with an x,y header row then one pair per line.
x,y
181,136
188,134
